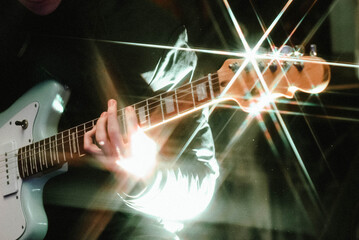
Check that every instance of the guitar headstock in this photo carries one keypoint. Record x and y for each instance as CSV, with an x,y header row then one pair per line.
x,y
282,77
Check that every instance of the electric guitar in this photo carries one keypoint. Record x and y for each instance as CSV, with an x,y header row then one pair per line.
x,y
32,151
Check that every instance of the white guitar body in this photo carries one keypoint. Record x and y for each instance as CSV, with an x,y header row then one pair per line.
x,y
22,215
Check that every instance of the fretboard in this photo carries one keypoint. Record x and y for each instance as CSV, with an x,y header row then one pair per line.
x,y
51,153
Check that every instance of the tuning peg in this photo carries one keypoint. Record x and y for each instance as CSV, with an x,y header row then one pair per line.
x,y
273,67
248,68
313,50
299,66
298,51
286,50
234,67
285,65
261,66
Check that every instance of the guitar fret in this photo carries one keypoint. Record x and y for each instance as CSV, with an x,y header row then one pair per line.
x,y
26,163
40,155
55,149
26,160
44,153
169,104
37,166
171,108
60,147
42,160
63,146
176,100
34,155
185,99
148,114
74,146
69,143
80,140
23,161
27,171
20,158
215,84
163,116
153,109
32,161
37,156
124,121
193,99
142,116
210,86
76,139
201,92
29,157
50,153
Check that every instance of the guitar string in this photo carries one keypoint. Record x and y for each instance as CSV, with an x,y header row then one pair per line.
x,y
153,106
181,90
137,114
53,143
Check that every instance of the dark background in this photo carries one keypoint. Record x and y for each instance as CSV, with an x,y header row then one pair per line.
x,y
262,192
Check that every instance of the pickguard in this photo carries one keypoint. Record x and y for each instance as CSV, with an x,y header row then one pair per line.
x,y
12,137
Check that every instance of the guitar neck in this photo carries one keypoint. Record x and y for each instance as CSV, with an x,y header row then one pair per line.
x,y
51,153
312,76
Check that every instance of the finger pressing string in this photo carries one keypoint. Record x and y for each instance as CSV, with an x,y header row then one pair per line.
x,y
89,145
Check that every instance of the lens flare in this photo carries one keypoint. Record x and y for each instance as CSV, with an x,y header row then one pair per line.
x,y
142,159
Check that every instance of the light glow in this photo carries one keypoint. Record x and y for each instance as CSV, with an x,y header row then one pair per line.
x,y
262,102
181,198
142,159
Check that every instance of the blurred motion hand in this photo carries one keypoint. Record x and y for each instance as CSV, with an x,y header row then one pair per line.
x,y
131,156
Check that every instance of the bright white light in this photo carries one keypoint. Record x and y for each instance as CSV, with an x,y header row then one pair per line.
x,y
181,198
142,160
251,55
263,101
172,226
58,104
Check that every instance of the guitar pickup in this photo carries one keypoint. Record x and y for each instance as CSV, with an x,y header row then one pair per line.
x,y
8,169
